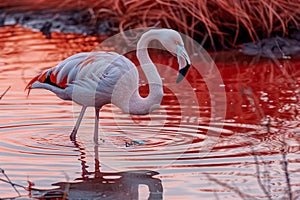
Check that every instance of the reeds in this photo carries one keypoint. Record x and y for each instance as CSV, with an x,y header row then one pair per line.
x,y
226,22
2,95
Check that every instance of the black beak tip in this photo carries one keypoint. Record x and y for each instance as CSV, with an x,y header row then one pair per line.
x,y
182,73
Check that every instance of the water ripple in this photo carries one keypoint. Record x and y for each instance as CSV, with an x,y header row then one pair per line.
x,y
181,140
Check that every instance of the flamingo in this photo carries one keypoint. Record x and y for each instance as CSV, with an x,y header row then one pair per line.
x,y
93,79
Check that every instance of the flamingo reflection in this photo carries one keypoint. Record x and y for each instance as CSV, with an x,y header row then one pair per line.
x,y
104,185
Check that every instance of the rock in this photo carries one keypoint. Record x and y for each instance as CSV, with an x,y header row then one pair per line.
x,y
274,47
46,29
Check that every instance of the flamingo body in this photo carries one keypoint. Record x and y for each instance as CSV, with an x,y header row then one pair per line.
x,y
93,79
86,78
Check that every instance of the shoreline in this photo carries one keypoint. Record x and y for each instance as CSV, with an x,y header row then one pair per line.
x,y
85,22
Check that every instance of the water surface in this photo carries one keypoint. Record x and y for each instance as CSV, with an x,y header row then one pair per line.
x,y
163,152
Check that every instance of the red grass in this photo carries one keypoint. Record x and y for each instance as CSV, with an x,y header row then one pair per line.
x,y
223,20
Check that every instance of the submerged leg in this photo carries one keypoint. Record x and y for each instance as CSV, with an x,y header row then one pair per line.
x,y
97,110
75,129
97,162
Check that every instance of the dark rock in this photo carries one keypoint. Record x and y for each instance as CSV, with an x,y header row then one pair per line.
x,y
274,47
46,29
2,20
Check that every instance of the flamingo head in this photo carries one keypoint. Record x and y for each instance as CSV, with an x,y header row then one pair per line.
x,y
173,42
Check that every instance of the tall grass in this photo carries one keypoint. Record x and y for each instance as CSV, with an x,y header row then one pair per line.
x,y
224,22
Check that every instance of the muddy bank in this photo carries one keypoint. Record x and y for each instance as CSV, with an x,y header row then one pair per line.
x,y
274,47
47,21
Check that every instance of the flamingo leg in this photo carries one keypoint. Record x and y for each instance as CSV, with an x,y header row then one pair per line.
x,y
97,161
75,129
97,110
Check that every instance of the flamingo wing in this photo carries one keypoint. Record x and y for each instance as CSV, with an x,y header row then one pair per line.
x,y
97,76
59,76
89,73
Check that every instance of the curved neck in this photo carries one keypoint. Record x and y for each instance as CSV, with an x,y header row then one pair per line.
x,y
140,105
146,63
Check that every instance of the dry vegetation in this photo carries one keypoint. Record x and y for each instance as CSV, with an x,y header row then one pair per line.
x,y
224,22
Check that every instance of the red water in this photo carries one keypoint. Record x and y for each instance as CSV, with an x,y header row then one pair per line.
x,y
191,149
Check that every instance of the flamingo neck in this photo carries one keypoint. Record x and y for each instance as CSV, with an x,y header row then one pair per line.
x,y
138,104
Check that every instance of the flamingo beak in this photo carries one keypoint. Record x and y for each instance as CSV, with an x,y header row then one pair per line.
x,y
183,61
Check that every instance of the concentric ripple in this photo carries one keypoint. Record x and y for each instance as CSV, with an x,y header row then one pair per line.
x,y
200,157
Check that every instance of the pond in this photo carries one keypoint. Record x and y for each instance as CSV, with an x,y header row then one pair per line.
x,y
253,154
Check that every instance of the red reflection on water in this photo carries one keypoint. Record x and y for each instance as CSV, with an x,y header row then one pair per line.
x,y
255,91
263,89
